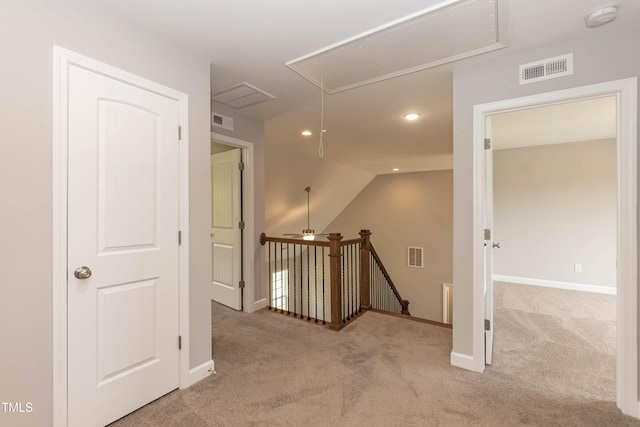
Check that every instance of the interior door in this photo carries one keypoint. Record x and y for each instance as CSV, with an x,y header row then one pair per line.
x,y
488,244
122,247
226,233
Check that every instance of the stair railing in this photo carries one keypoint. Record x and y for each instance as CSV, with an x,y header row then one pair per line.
x,y
330,282
384,294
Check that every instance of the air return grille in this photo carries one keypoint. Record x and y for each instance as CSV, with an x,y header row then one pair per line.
x,y
221,121
545,69
415,257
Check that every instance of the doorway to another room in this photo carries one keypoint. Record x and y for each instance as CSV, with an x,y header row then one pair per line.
x,y
554,245
626,353
227,225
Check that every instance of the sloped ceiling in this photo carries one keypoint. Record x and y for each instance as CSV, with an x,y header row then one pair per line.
x,y
333,186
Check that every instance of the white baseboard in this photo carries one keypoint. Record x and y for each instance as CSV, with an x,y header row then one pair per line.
x,y
559,285
199,373
260,304
464,361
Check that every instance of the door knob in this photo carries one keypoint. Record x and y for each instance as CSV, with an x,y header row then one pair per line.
x,y
496,245
83,272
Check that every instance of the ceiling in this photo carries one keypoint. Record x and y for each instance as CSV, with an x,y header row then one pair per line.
x,y
251,41
577,121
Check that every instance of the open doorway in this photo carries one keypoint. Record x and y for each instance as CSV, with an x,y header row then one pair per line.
x,y
227,225
554,245
250,300
625,92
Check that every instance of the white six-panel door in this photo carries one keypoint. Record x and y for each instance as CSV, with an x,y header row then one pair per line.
x,y
226,244
123,226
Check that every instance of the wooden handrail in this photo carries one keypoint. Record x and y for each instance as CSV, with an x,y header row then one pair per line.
x,y
264,239
402,302
351,241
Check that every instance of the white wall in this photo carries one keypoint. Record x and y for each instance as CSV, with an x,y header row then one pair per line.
x,y
599,58
29,30
555,206
402,210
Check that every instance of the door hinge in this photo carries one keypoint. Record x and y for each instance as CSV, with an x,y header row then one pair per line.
x,y
179,342
241,166
487,234
179,237
241,225
487,143
241,284
487,324
179,133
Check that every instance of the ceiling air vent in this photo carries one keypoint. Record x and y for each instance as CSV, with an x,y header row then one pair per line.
x,y
241,95
221,121
545,69
415,257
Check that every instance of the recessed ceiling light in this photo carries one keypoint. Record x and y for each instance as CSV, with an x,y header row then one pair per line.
x,y
396,169
306,132
411,116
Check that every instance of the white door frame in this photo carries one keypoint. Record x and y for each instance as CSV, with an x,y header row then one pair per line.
x,y
248,296
627,262
62,60
488,246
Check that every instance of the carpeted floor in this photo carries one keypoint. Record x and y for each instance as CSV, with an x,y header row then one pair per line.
x,y
554,365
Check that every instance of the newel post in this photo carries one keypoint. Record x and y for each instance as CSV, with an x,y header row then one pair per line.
x,y
405,307
365,269
335,267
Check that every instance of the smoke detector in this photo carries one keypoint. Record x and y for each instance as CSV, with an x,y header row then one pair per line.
x,y
601,15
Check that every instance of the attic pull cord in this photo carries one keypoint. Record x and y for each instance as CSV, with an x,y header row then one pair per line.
x,y
322,130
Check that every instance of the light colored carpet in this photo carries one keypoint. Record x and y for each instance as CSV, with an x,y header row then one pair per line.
x,y
387,371
560,340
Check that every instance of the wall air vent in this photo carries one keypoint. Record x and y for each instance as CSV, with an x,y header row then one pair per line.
x,y
546,69
415,257
221,121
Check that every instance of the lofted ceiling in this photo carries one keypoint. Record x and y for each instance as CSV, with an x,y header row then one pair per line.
x,y
251,41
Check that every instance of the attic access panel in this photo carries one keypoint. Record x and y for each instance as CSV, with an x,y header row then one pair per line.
x,y
449,31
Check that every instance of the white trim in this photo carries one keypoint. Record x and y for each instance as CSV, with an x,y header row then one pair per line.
x,y
260,304
464,361
198,373
248,203
478,263
627,234
62,59
59,278
609,290
183,214
443,6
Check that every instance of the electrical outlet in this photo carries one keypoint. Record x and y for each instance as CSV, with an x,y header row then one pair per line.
x,y
577,268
